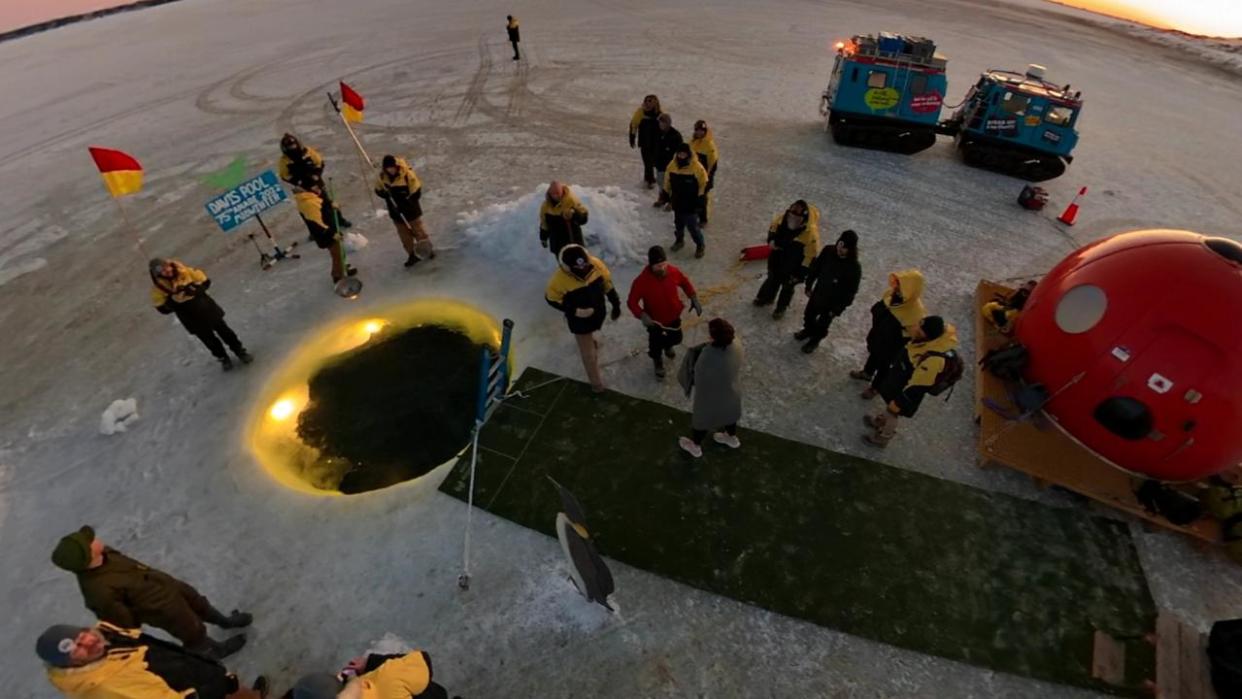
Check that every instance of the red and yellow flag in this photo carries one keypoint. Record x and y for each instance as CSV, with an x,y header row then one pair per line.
x,y
120,171
351,103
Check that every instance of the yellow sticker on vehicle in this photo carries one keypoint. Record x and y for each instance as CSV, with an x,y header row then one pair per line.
x,y
881,99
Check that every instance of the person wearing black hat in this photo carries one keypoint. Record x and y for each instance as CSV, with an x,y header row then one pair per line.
x,y
515,35
302,167
374,676
398,185
654,299
667,140
578,288
645,136
794,239
128,594
685,184
109,662
831,284
180,289
913,373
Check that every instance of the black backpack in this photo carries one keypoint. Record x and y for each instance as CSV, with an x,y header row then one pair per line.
x,y
1174,505
949,375
1006,363
1225,654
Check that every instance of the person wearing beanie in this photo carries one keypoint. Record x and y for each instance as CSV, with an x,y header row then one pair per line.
x,y
128,594
561,218
578,289
374,676
515,35
109,662
794,238
324,223
302,167
398,185
712,374
893,320
645,135
831,284
667,139
685,183
703,143
180,289
654,299
911,376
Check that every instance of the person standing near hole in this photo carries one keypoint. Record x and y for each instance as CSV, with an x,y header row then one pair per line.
x,y
302,166
398,185
321,220
561,218
644,134
704,146
180,289
794,237
711,373
578,289
515,35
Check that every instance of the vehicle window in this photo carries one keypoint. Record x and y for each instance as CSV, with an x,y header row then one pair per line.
x,y
918,84
1015,103
854,75
1060,116
877,78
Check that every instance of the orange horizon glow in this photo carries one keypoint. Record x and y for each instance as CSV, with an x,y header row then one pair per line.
x,y
1214,18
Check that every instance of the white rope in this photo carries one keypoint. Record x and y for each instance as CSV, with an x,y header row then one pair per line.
x,y
463,580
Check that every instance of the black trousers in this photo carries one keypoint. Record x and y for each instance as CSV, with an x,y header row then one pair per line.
x,y
778,282
212,336
817,319
650,168
699,435
660,339
515,49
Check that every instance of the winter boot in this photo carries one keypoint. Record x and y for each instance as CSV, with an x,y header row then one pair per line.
x,y
413,259
729,440
861,376
235,619
351,271
802,335
687,445
659,369
875,422
778,314
262,686
760,302
670,352
868,393
700,251
677,245
225,363
345,224
244,356
883,434
810,346
650,184
218,650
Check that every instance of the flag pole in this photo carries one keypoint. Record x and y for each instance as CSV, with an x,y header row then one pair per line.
x,y
142,250
361,151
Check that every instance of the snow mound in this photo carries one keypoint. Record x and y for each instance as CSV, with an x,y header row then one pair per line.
x,y
508,232
355,242
391,644
118,416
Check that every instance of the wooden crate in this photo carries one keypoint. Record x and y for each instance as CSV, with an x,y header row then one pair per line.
x,y
1040,449
1182,667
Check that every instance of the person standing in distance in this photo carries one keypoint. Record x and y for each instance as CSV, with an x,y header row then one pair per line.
x,y
644,134
515,35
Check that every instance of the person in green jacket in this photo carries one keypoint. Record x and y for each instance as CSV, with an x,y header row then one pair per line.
x,y
128,594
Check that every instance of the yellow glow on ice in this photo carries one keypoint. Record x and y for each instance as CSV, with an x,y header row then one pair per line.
x,y
271,432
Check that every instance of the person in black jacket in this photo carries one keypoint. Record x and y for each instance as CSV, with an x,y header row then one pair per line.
x,y
794,238
831,284
515,35
668,140
644,128
180,289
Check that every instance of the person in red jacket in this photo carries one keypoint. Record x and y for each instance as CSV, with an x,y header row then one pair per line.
x,y
654,300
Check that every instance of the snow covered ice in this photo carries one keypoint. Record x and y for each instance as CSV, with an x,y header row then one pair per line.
x,y
118,416
188,86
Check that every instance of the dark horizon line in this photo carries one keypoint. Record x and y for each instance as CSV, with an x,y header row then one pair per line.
x,y
50,24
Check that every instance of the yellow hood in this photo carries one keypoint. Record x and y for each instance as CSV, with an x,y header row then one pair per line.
x,y
910,311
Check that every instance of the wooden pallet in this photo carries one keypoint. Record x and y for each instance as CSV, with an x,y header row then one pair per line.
x,y
1182,667
1040,449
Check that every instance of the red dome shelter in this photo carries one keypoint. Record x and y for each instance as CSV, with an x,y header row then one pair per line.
x,y
1138,339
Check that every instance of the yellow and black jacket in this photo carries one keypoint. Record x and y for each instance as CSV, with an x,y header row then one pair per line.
x,y
402,193
319,216
685,184
645,131
186,295
304,171
515,32
793,249
892,320
557,229
137,666
395,676
569,294
916,371
705,150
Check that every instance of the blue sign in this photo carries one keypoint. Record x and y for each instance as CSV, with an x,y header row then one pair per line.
x,y
246,200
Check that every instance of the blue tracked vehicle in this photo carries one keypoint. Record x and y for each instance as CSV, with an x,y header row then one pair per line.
x,y
887,92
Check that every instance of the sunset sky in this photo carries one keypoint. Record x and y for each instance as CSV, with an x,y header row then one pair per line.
x,y
1209,17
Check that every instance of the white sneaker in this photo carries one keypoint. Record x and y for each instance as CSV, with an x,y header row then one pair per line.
x,y
690,447
727,439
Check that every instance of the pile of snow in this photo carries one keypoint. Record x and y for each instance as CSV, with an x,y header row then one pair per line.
x,y
355,242
508,232
118,416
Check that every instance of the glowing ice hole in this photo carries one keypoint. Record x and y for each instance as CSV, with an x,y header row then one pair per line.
x,y
368,402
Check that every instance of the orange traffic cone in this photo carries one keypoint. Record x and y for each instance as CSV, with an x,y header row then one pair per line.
x,y
1071,212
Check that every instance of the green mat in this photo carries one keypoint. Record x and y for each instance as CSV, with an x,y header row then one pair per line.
x,y
851,544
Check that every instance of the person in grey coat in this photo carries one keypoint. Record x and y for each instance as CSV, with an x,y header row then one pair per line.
x,y
711,373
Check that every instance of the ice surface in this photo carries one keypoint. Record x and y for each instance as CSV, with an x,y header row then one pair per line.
x,y
118,416
188,86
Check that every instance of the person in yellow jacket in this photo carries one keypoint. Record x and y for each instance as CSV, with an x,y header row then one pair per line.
x,y
917,371
321,221
302,166
515,35
398,185
110,662
685,185
893,319
794,238
1002,311
561,218
578,289
374,676
180,289
645,135
703,143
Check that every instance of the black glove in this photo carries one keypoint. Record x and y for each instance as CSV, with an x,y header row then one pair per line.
x,y
616,311
632,142
383,193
